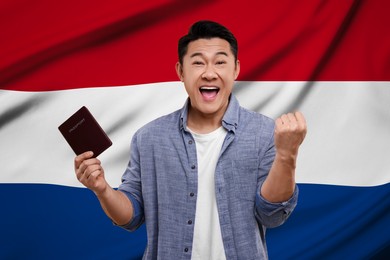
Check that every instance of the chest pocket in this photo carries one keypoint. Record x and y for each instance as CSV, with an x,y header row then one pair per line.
x,y
245,174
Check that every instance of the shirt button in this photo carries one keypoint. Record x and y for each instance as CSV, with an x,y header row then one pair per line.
x,y
190,142
189,222
186,249
192,194
193,166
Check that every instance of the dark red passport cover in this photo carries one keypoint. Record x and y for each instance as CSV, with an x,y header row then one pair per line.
x,y
83,133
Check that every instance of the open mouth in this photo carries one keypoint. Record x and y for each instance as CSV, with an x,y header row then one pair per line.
x,y
209,92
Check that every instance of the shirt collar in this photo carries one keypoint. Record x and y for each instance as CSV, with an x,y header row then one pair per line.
x,y
184,115
229,120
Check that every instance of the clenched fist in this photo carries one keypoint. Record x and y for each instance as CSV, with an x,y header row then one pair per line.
x,y
290,131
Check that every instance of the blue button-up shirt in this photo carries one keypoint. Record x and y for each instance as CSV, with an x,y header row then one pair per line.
x,y
161,182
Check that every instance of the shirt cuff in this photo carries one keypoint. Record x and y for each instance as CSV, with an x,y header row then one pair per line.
x,y
274,214
137,218
270,208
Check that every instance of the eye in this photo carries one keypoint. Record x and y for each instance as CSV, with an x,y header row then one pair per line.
x,y
221,62
197,63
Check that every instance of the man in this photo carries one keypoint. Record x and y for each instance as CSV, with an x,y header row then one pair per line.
x,y
210,178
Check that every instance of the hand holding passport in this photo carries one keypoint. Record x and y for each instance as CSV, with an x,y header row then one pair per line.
x,y
83,133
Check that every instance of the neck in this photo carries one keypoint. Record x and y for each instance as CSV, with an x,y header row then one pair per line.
x,y
203,124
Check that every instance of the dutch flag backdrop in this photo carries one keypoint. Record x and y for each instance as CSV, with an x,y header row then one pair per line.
x,y
329,59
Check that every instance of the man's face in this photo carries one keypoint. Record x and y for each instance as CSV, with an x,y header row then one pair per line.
x,y
208,72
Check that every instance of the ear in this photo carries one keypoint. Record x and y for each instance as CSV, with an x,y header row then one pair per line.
x,y
179,71
237,70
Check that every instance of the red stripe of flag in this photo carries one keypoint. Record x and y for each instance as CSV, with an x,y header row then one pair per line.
x,y
48,45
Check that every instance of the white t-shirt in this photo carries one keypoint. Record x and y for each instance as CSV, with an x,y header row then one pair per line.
x,y
207,243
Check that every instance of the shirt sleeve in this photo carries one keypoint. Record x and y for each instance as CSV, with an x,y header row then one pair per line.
x,y
131,187
275,214
267,213
137,218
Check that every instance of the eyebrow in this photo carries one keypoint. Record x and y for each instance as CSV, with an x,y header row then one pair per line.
x,y
200,54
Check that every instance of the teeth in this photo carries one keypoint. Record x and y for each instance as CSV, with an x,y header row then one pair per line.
x,y
209,88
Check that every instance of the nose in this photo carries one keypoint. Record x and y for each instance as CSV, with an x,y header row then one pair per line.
x,y
209,73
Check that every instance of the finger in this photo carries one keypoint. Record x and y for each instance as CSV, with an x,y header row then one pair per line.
x,y
292,119
95,174
300,119
302,124
89,163
278,123
82,157
285,119
91,171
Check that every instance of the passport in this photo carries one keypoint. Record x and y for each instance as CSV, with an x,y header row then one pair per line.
x,y
83,133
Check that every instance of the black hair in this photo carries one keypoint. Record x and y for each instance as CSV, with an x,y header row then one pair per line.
x,y
206,30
